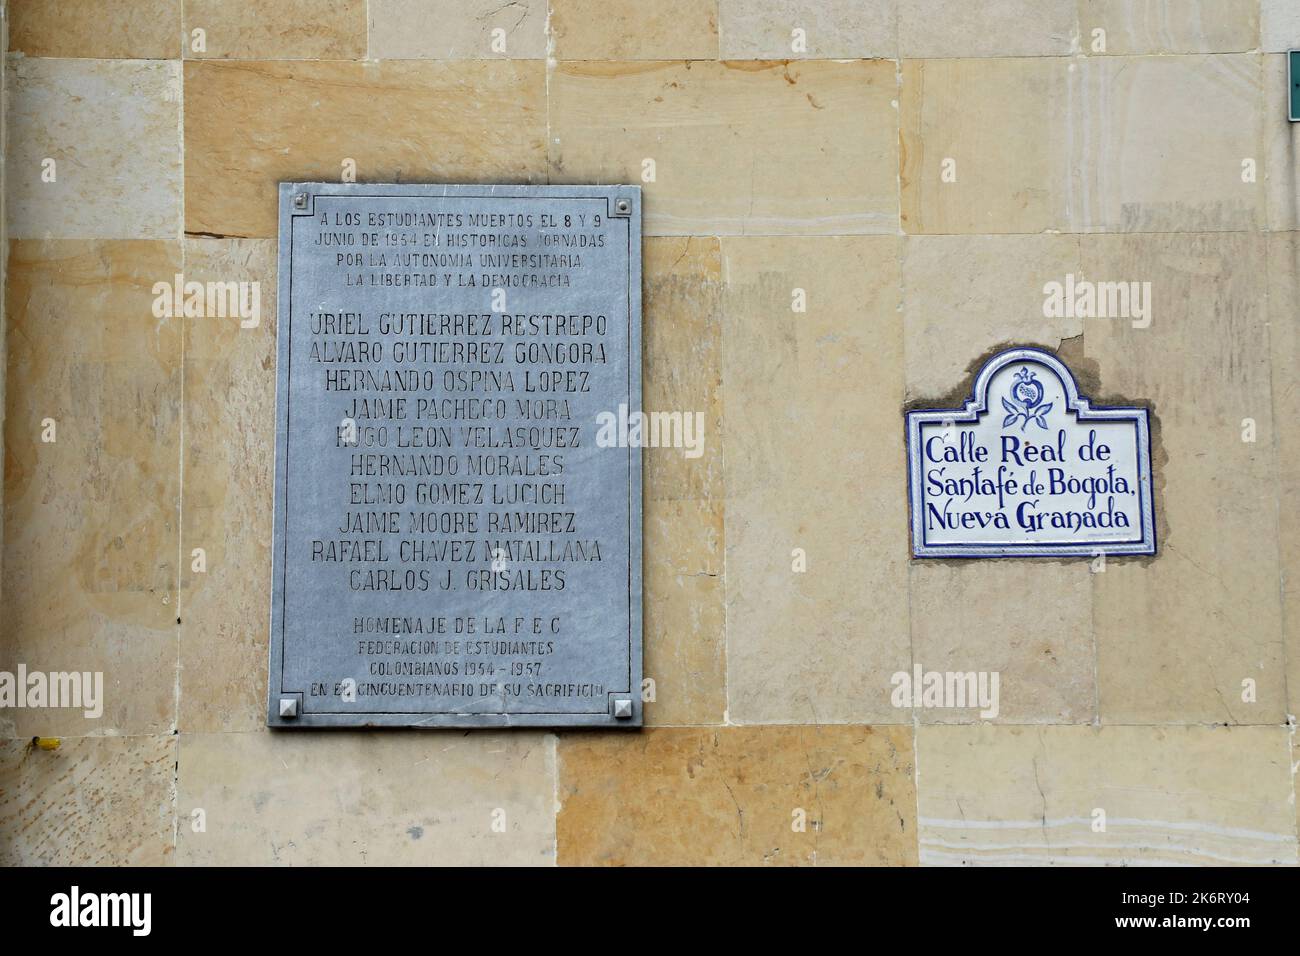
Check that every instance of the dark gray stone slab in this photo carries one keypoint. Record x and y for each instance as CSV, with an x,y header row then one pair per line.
x,y
452,546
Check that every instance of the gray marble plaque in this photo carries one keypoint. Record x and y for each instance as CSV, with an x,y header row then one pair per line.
x,y
454,547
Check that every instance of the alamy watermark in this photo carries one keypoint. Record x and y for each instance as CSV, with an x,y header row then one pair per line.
x,y
76,908
216,300
38,689
948,689
1084,299
639,429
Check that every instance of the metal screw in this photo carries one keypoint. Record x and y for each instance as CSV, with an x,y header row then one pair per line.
x,y
288,707
623,205
300,201
622,709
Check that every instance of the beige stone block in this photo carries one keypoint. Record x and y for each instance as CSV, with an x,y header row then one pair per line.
x,y
685,613
1168,26
1029,622
228,492
941,28
682,364
112,129
1177,634
1102,144
963,296
1171,796
813,429
1279,25
682,360
847,29
138,29
428,798
754,147
91,517
277,29
1284,342
1158,143
251,125
1001,128
1279,172
737,796
628,30
92,801
457,29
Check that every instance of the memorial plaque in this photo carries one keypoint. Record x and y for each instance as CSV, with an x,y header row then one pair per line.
x,y
1029,467
453,546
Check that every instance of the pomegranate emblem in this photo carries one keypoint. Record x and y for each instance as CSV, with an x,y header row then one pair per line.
x,y
1024,404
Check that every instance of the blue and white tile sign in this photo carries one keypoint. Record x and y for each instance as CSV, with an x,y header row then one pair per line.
x,y
1028,467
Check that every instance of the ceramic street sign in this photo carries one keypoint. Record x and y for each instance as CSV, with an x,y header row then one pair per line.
x,y
1029,468
452,546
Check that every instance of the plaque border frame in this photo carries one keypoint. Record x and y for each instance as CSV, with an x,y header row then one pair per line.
x,y
977,406
624,202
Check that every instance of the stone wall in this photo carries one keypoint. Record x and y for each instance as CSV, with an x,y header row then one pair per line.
x,y
772,737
